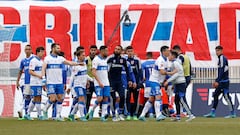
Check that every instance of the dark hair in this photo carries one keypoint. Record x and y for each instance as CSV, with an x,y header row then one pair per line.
x,y
176,47
93,47
79,48
54,45
174,53
39,49
164,48
119,46
61,54
129,47
28,45
149,54
103,47
219,47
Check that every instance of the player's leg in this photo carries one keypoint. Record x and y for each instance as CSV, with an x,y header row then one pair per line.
x,y
81,107
51,99
90,91
99,93
177,105
106,95
27,97
31,104
121,93
141,101
20,116
215,103
158,102
38,100
60,94
228,100
135,105
128,103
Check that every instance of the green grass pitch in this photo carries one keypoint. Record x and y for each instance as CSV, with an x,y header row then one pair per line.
x,y
199,126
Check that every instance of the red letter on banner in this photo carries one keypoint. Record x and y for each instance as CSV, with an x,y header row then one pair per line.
x,y
39,33
228,29
87,23
145,27
189,24
10,17
111,19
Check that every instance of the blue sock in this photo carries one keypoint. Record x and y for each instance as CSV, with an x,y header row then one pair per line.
x,y
151,110
75,101
213,111
26,103
54,110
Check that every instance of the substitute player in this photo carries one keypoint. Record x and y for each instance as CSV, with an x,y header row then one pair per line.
x,y
101,82
52,68
156,78
35,68
79,79
222,85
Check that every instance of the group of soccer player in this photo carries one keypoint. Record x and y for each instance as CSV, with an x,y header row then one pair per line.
x,y
126,88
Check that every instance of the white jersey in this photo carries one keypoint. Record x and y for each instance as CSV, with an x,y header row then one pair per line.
x,y
161,63
101,66
79,76
36,65
54,71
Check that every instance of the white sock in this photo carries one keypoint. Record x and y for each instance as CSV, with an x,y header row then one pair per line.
x,y
146,108
104,108
48,104
75,109
95,105
59,109
157,106
81,107
31,107
38,107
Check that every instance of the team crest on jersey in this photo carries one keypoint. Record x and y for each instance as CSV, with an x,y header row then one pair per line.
x,y
121,61
132,62
114,61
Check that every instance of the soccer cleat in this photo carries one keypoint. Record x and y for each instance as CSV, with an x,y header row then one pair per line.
x,y
190,118
230,116
83,119
210,115
71,117
90,115
19,114
160,117
45,115
40,118
142,118
128,118
103,119
151,115
115,119
121,117
135,118
27,117
60,119
177,119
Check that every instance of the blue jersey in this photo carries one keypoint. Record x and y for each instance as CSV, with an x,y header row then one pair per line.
x,y
137,69
124,75
223,75
147,67
24,66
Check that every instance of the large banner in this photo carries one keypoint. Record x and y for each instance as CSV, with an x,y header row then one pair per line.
x,y
196,25
202,100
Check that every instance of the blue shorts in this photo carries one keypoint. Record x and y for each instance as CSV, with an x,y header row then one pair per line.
x,y
55,89
105,91
80,91
155,88
180,89
36,90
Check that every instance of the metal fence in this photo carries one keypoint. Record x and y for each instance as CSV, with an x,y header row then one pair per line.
x,y
208,75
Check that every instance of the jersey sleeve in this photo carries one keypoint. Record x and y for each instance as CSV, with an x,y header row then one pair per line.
x,y
32,64
21,65
95,63
62,59
161,64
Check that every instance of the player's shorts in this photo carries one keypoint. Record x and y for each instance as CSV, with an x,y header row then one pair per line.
x,y
180,89
55,89
74,95
105,91
27,90
80,91
36,90
155,88
117,87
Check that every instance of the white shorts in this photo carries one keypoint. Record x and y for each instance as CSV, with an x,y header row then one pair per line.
x,y
147,91
27,90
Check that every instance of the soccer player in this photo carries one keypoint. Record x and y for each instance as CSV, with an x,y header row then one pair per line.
x,y
101,82
136,66
89,59
35,68
179,81
116,63
157,77
52,68
222,85
80,78
24,68
147,67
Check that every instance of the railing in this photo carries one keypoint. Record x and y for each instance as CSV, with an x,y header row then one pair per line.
x,y
208,75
